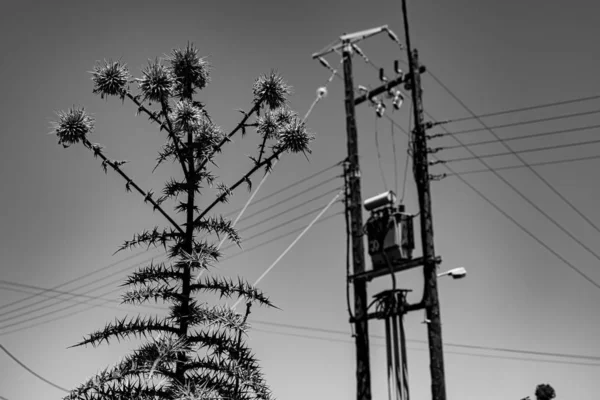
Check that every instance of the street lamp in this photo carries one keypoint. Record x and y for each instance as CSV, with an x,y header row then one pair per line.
x,y
455,273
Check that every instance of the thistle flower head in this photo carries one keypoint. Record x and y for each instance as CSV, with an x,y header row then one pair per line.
x,y
186,116
190,71
284,115
271,89
72,126
157,83
294,137
268,126
110,78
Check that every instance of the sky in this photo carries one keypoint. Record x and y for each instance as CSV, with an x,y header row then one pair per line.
x,y
63,218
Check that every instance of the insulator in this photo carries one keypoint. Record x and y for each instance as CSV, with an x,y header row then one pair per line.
x,y
397,69
398,101
322,92
380,109
325,63
393,36
382,75
363,89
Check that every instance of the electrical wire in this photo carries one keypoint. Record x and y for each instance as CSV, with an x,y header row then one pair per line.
x,y
513,124
521,109
446,344
261,277
292,197
294,184
93,272
262,221
522,137
59,300
26,368
408,146
513,152
513,220
29,312
348,244
104,268
537,174
395,158
119,279
337,340
20,329
379,161
568,160
543,244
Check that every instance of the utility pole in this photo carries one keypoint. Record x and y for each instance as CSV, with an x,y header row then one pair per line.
x,y
361,276
363,368
421,174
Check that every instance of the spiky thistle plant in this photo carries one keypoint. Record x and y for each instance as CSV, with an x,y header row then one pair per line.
x,y
198,351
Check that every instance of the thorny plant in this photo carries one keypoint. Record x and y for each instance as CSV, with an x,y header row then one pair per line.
x,y
197,351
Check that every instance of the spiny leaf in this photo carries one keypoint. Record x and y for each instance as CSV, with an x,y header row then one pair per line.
x,y
153,273
228,288
219,226
127,327
164,292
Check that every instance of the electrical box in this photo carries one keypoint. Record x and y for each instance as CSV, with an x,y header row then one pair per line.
x,y
390,236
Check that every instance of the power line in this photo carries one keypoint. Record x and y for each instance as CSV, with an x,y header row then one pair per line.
x,y
568,160
264,232
543,244
310,225
296,183
129,267
500,210
15,359
262,221
522,137
512,124
521,109
104,268
534,150
93,272
59,300
449,344
540,177
337,340
379,161
407,153
115,290
292,197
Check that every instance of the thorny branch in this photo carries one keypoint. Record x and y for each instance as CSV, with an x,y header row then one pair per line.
x,y
147,195
243,179
227,138
168,126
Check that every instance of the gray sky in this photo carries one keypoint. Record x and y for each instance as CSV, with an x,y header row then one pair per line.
x,y
63,217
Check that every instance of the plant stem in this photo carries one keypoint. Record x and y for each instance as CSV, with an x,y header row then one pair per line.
x,y
239,342
262,149
173,136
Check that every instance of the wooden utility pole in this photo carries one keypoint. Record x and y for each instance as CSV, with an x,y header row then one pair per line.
x,y
363,369
421,174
